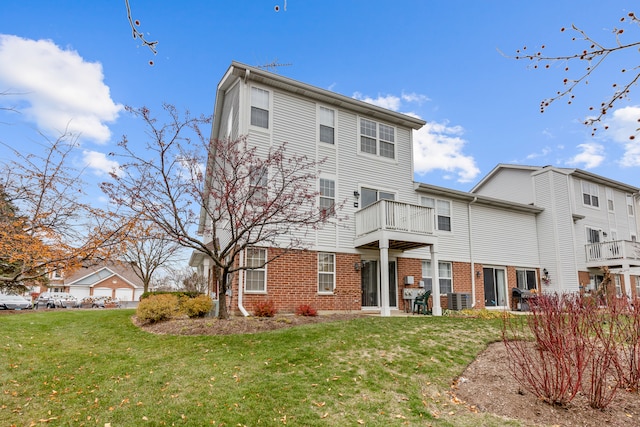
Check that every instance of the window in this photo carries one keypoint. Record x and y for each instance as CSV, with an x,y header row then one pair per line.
x,y
609,199
259,107
258,178
590,194
637,281
326,272
370,196
442,209
327,196
526,279
594,282
445,273
256,277
618,283
630,204
593,235
327,125
377,138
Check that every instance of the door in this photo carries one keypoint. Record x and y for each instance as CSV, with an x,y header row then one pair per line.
x,y
371,285
369,275
393,285
495,287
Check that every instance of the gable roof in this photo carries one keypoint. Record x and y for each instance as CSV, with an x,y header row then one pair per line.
x,y
476,198
578,173
91,274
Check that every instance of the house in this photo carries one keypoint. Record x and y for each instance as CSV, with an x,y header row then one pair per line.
x,y
402,236
105,278
588,222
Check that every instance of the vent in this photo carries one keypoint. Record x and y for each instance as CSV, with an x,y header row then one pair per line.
x,y
458,301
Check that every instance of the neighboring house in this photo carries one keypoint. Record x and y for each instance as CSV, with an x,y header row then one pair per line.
x,y
112,279
401,236
588,222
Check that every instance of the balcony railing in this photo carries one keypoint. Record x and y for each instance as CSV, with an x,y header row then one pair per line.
x,y
614,250
394,216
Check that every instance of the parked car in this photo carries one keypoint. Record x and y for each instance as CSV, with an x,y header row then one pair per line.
x,y
100,302
14,302
56,300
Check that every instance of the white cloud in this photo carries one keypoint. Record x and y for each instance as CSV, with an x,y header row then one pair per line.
x,y
622,127
99,163
390,102
544,152
438,146
591,155
60,89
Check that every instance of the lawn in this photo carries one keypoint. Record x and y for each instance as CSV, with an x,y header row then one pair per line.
x,y
94,367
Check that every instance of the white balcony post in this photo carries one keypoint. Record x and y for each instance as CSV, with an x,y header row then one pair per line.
x,y
385,310
436,309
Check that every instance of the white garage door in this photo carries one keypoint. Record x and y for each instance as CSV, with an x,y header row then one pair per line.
x,y
124,294
102,292
80,292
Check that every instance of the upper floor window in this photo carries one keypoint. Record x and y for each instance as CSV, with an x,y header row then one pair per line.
x,y
327,196
369,196
327,125
326,272
258,179
256,275
377,138
610,199
442,209
590,194
260,107
444,273
593,235
630,204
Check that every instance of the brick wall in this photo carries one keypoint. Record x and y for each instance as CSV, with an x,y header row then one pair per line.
x,y
292,280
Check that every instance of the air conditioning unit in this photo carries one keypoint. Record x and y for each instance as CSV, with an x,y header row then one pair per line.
x,y
458,301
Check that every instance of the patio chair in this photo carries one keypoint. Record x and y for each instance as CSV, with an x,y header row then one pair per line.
x,y
421,303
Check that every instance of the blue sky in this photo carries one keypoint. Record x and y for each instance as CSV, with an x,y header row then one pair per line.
x,y
75,63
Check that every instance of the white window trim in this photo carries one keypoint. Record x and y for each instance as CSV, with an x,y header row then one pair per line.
x,y
435,211
597,194
378,190
335,126
244,285
429,271
378,156
629,198
333,273
270,110
335,193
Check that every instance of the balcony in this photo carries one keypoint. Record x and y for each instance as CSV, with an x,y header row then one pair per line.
x,y
405,226
617,252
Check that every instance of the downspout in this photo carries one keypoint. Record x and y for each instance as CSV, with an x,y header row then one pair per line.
x,y
473,264
240,286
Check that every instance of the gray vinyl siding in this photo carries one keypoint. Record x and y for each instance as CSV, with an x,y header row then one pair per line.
x,y
504,237
513,185
555,231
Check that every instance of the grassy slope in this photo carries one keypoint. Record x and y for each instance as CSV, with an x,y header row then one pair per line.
x,y
82,367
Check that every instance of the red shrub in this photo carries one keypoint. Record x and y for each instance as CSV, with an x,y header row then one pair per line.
x,y
306,310
264,309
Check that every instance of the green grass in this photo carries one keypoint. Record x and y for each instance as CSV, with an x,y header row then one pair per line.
x,y
95,367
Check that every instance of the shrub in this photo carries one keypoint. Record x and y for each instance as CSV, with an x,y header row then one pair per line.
x,y
190,294
156,308
196,307
306,310
265,309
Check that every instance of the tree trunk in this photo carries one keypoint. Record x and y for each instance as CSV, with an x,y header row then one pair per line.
x,y
223,313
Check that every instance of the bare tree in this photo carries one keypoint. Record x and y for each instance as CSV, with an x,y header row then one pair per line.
x,y
148,250
589,57
52,229
187,279
244,198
